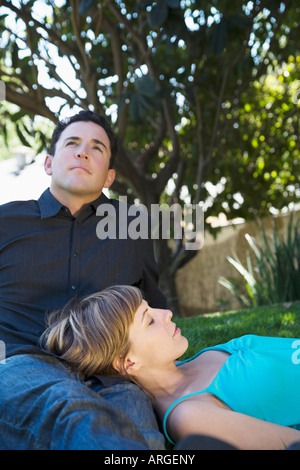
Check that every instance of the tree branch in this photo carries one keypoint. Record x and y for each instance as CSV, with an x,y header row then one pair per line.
x,y
53,36
29,104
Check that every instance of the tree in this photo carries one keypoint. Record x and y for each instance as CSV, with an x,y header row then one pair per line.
x,y
174,77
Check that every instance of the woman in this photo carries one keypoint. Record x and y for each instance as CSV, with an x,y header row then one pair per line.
x,y
244,392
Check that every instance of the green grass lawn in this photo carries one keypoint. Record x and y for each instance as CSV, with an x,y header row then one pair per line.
x,y
211,329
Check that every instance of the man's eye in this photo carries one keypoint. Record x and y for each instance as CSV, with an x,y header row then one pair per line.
x,y
70,143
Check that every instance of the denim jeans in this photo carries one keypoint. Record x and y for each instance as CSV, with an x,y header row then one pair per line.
x,y
43,406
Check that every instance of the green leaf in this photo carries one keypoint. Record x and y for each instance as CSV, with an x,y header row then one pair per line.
x,y
146,85
4,130
15,55
123,100
137,110
21,137
218,38
85,6
240,21
173,3
158,14
243,271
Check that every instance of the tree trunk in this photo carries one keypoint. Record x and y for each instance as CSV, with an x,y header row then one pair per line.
x,y
167,276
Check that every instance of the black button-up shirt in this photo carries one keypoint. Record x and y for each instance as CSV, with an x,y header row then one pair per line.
x,y
48,256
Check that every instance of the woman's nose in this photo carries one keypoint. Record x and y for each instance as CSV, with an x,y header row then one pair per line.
x,y
168,316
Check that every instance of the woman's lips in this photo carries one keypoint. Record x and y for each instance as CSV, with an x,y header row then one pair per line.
x,y
177,331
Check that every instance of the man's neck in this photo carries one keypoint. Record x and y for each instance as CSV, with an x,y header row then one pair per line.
x,y
75,203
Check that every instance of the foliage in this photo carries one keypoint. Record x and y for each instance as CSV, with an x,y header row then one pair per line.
x,y
276,275
263,165
210,329
19,129
184,83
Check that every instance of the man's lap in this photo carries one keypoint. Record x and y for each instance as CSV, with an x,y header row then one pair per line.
x,y
44,406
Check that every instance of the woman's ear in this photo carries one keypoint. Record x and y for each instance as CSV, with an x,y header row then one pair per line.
x,y
128,366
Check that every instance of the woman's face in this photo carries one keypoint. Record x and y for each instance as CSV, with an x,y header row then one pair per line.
x,y
155,341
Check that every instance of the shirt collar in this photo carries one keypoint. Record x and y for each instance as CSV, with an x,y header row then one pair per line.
x,y
50,206
100,200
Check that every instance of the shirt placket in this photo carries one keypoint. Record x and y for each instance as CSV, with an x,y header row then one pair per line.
x,y
75,258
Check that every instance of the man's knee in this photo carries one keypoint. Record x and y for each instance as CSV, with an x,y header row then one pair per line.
x,y
46,405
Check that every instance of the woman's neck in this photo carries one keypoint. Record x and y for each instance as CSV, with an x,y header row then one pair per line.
x,y
164,385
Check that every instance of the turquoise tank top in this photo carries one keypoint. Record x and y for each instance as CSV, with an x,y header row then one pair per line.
x,y
260,378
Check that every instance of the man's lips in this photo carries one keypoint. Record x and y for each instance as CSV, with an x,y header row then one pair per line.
x,y
78,167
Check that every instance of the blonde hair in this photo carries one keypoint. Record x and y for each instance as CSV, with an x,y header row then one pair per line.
x,y
92,332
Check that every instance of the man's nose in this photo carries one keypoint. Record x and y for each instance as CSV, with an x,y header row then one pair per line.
x,y
82,152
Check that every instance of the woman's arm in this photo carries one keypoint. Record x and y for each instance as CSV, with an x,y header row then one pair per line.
x,y
208,417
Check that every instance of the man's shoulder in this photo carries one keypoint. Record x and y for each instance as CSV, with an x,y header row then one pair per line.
x,y
16,208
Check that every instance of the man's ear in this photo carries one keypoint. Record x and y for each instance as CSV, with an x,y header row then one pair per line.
x,y
48,164
111,174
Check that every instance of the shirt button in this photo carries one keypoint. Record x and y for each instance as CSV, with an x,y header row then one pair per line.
x,y
75,253
73,287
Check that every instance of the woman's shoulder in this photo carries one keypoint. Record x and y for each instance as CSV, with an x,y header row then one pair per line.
x,y
191,414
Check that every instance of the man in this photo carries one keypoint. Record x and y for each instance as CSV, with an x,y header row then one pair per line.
x,y
50,252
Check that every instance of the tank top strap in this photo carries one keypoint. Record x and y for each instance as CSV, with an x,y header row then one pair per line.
x,y
167,413
220,347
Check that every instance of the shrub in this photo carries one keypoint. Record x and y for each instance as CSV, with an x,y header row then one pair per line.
x,y
276,276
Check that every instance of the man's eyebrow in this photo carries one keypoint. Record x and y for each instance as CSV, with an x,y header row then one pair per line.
x,y
72,137
96,141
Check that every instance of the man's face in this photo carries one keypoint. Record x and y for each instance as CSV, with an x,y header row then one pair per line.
x,y
80,166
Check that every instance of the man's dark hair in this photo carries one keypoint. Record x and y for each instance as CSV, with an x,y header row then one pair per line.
x,y
86,116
